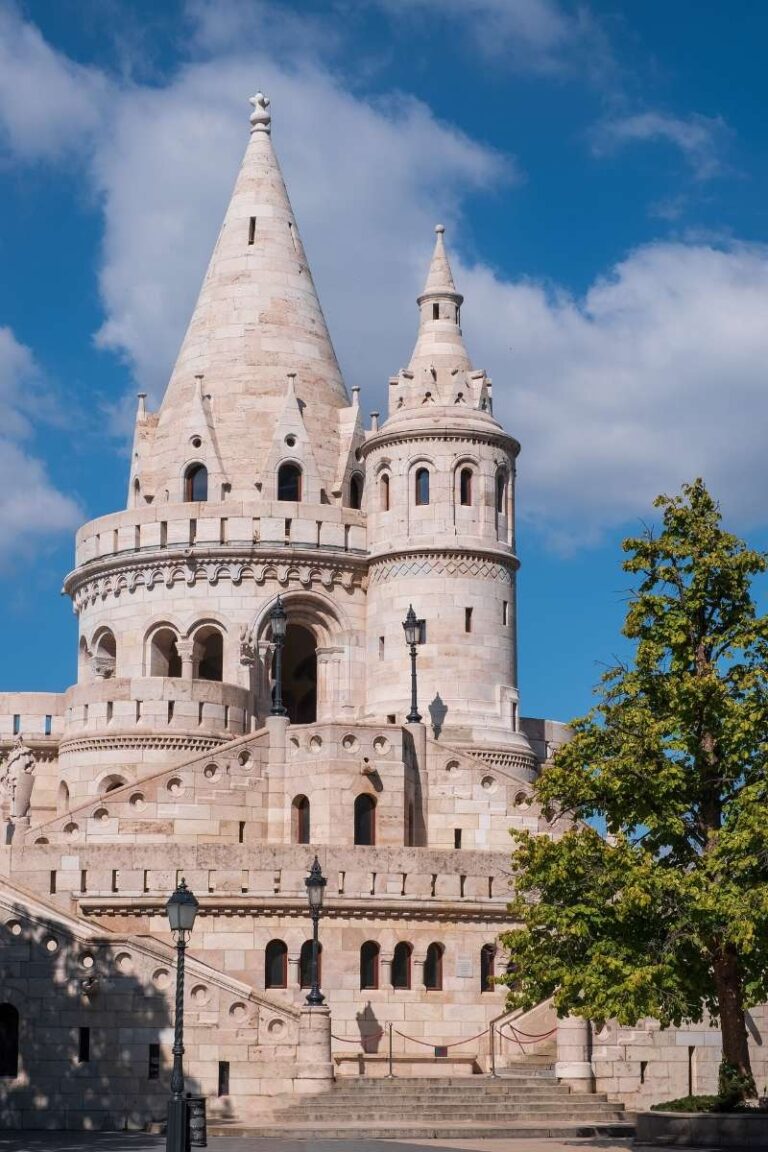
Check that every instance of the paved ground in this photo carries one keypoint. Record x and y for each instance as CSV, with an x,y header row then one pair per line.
x,y
130,1142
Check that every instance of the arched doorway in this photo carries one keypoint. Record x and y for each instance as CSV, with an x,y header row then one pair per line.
x,y
300,674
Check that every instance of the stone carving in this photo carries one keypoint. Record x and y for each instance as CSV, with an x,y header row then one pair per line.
x,y
381,573
16,781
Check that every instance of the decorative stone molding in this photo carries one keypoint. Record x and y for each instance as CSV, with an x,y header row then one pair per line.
x,y
442,564
177,742
98,580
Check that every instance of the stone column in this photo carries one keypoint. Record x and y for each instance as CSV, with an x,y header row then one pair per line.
x,y
186,651
314,1066
278,804
385,970
573,1065
294,974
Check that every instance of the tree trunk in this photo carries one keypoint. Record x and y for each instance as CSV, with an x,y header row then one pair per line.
x,y
730,1000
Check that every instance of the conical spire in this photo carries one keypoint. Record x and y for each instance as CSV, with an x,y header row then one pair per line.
x,y
440,345
439,277
257,318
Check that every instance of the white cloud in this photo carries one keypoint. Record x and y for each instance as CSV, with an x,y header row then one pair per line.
x,y
30,505
47,102
655,376
538,36
699,138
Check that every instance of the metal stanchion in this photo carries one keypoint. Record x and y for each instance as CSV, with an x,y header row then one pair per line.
x,y
390,1074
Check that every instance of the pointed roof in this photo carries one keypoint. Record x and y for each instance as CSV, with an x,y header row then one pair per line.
x,y
439,277
257,318
440,344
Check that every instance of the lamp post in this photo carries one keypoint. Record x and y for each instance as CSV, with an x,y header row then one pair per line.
x,y
315,883
412,628
181,910
279,620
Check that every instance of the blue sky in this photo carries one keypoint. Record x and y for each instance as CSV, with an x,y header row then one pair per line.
x,y
601,170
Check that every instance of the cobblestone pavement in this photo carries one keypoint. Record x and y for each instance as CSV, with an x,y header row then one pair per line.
x,y
137,1142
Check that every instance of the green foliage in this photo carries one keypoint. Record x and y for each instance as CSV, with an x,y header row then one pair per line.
x,y
688,1104
667,915
732,1086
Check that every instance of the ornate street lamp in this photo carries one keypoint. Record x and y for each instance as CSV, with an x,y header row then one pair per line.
x,y
315,883
413,629
279,620
181,910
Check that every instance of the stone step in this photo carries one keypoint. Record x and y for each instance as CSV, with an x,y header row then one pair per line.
x,y
474,1087
364,1130
512,1101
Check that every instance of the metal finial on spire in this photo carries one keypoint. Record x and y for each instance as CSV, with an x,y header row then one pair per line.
x,y
439,228
261,118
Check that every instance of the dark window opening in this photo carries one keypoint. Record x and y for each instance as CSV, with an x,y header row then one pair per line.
x,y
196,483
457,837
421,483
84,1046
401,965
211,665
153,1062
505,612
487,967
300,817
9,1040
369,965
467,619
465,486
223,1088
365,819
435,311
384,490
251,229
241,832
164,659
276,965
289,482
300,674
16,724
433,968
501,493
356,491
48,724
305,964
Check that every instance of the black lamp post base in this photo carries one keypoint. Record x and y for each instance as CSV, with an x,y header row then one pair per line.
x,y
315,999
177,1131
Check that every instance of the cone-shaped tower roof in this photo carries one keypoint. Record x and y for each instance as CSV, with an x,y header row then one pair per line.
x,y
440,343
257,319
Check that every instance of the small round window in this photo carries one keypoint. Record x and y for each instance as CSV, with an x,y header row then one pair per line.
x,y
196,442
290,441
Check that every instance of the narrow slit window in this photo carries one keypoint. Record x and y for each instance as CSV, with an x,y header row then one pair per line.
x,y
467,619
433,968
84,1046
465,487
384,490
48,724
223,1088
369,965
505,612
251,229
435,311
401,965
381,647
457,837
421,486
153,1062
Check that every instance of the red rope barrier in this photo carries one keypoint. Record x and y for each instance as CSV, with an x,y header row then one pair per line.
x,y
359,1039
531,1037
431,1043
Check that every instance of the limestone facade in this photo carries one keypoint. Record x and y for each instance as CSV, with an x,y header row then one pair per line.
x,y
255,479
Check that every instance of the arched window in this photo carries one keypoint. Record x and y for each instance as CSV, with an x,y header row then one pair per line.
x,y
401,965
365,819
433,968
465,486
289,482
487,966
196,483
300,820
9,1040
276,965
62,799
164,659
104,648
111,783
384,492
369,965
305,964
421,486
210,646
356,491
501,492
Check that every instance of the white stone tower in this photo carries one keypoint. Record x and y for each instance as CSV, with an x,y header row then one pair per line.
x,y
440,508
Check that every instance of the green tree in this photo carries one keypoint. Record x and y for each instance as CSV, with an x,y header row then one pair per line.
x,y
667,914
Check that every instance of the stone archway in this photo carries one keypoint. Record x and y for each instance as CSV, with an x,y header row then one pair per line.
x,y
300,674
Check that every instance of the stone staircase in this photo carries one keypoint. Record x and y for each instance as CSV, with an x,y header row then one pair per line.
x,y
524,1102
